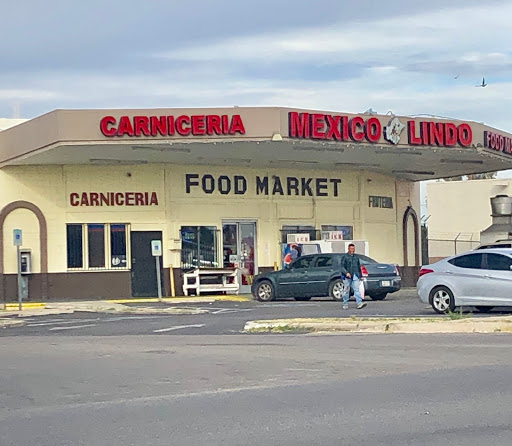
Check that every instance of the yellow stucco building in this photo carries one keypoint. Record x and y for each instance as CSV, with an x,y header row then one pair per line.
x,y
90,189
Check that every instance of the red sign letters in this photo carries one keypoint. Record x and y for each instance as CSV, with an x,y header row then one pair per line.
x,y
370,130
113,199
184,125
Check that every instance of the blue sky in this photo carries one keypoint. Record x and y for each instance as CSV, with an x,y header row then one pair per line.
x,y
344,56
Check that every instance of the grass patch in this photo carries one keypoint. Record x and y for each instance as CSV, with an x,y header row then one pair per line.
x,y
281,329
457,315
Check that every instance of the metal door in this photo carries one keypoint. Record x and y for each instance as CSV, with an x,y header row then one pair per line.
x,y
143,269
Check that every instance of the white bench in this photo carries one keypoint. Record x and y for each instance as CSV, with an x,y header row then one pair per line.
x,y
192,281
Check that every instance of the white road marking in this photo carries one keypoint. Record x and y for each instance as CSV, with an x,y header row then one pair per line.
x,y
178,327
73,327
231,310
296,305
61,322
126,318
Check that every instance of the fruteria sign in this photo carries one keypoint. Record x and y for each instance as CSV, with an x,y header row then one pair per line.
x,y
182,125
361,129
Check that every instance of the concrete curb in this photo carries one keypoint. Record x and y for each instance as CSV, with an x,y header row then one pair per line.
x,y
4,323
184,300
382,325
107,307
26,305
100,307
13,307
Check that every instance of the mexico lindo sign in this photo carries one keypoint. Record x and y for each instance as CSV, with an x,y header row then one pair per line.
x,y
370,130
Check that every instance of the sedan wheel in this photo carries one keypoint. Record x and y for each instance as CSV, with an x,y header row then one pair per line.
x,y
336,290
265,292
442,300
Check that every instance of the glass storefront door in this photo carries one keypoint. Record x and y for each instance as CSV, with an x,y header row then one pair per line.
x,y
239,251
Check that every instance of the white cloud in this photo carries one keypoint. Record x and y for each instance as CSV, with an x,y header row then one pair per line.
x,y
446,31
405,64
27,94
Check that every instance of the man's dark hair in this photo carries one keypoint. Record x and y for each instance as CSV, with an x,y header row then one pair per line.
x,y
351,245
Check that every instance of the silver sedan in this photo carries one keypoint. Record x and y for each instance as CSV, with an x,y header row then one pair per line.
x,y
482,279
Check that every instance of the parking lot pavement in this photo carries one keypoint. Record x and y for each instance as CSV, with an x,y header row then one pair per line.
x,y
216,318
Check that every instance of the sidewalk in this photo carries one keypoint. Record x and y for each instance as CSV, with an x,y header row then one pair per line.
x,y
384,325
115,306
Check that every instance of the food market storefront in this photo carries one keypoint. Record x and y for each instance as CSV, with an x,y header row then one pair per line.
x,y
90,189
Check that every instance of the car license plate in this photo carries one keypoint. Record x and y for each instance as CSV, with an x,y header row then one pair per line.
x,y
385,283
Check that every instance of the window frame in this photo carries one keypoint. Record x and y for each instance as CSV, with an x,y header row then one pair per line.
x,y
217,250
340,228
298,229
107,240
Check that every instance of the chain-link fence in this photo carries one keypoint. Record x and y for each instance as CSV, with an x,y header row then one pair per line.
x,y
441,246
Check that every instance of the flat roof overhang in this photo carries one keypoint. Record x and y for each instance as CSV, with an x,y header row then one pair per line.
x,y
410,163
72,137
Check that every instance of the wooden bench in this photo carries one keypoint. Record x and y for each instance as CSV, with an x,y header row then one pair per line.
x,y
211,280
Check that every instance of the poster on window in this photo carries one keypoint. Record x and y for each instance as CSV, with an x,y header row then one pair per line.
x,y
290,253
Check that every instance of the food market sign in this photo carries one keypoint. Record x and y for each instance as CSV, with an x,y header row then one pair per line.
x,y
264,185
360,129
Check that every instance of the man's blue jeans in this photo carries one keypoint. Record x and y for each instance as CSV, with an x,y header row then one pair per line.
x,y
355,283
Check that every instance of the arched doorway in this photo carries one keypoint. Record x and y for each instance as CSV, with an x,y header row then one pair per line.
x,y
43,240
410,213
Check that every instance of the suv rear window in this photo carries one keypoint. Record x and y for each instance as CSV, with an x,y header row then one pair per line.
x,y
473,261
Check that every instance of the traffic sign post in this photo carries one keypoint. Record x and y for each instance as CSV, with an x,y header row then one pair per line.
x,y
18,241
156,250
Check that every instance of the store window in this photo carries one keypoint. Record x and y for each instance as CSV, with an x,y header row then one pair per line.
x,y
75,246
298,229
348,231
375,201
97,246
199,247
118,246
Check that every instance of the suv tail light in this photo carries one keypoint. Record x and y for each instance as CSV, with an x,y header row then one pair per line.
x,y
397,271
364,271
424,271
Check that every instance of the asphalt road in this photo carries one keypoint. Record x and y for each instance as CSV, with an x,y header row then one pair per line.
x,y
255,389
221,317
